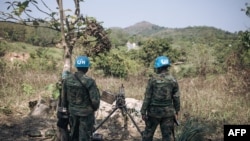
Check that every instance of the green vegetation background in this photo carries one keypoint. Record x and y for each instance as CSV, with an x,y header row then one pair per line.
x,y
211,65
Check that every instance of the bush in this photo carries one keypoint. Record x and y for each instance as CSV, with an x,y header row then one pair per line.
x,y
156,47
116,63
3,48
41,60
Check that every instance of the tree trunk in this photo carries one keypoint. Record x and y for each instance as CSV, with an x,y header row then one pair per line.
x,y
62,134
67,50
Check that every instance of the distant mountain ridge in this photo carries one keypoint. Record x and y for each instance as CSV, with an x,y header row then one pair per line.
x,y
143,28
147,29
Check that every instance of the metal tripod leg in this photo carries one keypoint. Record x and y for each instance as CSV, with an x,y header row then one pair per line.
x,y
138,129
123,109
105,119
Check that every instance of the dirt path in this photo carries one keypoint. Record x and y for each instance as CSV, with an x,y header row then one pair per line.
x,y
13,128
22,129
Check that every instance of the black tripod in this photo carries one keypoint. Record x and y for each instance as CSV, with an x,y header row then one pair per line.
x,y
120,104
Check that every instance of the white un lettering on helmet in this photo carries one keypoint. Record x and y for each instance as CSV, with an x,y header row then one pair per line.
x,y
164,61
80,62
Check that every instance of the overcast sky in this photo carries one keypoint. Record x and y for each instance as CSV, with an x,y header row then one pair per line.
x,y
221,14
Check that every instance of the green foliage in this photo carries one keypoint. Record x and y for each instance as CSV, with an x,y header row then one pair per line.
x,y
2,65
41,60
13,32
27,89
156,47
238,65
112,64
202,60
192,131
53,90
36,36
187,71
41,36
3,48
116,63
244,48
118,37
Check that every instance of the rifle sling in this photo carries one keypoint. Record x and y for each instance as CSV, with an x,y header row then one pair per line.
x,y
80,81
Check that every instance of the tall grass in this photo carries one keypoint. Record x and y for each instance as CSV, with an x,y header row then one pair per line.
x,y
203,99
18,87
207,100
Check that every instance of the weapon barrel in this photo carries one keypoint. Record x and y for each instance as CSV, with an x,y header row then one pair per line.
x,y
176,121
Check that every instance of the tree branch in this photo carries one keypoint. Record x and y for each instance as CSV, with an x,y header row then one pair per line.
x,y
48,27
40,9
77,6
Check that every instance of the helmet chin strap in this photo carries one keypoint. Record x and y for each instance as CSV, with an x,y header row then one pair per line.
x,y
84,70
161,69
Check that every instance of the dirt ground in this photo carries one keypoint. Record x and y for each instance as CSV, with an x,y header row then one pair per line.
x,y
14,128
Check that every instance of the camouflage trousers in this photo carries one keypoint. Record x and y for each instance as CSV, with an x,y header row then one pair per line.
x,y
81,127
166,126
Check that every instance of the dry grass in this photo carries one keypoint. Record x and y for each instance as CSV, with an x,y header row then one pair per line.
x,y
209,101
204,99
134,87
19,87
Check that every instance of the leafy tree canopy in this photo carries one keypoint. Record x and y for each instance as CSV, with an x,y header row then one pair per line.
x,y
72,26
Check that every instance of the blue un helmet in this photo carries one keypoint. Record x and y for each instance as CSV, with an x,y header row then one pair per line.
x,y
161,61
82,62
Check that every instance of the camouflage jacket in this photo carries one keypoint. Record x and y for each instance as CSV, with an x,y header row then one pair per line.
x,y
80,100
162,96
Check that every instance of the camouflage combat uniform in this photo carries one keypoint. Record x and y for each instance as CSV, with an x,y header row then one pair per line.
x,y
160,104
82,102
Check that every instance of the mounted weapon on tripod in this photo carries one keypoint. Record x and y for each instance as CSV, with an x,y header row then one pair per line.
x,y
120,104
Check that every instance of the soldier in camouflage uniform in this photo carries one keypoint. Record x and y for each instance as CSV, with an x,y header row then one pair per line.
x,y
161,102
81,97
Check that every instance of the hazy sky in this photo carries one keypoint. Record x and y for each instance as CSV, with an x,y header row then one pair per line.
x,y
222,14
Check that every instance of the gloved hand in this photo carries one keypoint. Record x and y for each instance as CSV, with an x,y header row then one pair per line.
x,y
144,117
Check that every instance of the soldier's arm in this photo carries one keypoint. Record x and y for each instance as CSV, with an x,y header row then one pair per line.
x,y
176,97
94,95
147,97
